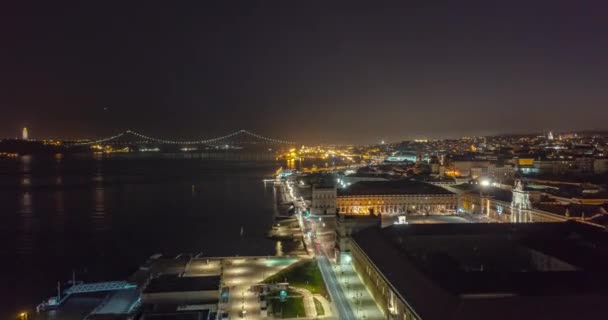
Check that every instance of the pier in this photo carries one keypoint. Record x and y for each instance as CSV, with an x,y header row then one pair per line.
x,y
83,288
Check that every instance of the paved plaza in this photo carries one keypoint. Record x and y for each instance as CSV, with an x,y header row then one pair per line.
x,y
242,273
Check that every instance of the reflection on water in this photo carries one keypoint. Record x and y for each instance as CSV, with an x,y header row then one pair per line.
x,y
25,163
26,205
59,219
26,180
98,216
25,167
26,240
98,177
291,164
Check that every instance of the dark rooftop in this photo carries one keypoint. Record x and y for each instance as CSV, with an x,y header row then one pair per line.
x,y
370,175
396,187
108,317
573,210
498,193
494,192
600,220
175,283
475,271
427,178
177,316
577,192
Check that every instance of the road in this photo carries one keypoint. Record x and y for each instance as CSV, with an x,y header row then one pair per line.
x,y
337,296
318,247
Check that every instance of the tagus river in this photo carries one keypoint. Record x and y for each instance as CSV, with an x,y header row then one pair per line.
x,y
102,216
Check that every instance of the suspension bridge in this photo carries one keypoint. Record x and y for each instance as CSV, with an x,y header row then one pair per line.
x,y
239,137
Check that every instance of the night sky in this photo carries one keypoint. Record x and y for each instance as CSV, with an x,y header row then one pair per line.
x,y
309,71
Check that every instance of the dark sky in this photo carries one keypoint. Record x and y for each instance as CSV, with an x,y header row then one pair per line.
x,y
310,71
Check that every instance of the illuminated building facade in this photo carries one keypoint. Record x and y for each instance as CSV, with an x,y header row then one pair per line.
x,y
500,210
500,172
395,197
403,156
501,205
600,166
24,134
465,168
323,200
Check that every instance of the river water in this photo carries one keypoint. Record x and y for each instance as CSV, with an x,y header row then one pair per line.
x,y
102,216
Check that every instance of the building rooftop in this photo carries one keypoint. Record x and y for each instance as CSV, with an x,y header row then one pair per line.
x,y
118,302
108,316
494,192
379,175
431,179
572,210
396,187
175,283
176,316
493,271
577,192
326,185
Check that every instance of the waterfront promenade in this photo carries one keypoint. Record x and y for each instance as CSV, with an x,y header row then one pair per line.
x,y
348,304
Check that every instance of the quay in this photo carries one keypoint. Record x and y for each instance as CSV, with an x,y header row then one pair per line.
x,y
188,286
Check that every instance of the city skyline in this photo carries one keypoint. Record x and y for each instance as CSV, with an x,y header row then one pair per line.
x,y
23,132
316,73
304,160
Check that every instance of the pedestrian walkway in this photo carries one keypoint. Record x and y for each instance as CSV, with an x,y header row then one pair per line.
x,y
240,274
359,298
309,302
327,310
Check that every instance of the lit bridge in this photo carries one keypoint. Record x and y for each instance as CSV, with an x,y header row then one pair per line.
x,y
241,137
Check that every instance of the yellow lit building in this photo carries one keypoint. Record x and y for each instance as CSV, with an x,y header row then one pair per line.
x,y
395,197
525,161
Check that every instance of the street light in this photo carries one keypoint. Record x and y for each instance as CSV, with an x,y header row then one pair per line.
x,y
347,259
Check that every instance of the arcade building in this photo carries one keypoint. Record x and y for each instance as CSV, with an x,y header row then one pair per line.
x,y
399,197
474,271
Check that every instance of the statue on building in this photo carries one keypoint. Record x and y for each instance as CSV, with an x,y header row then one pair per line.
x,y
521,197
